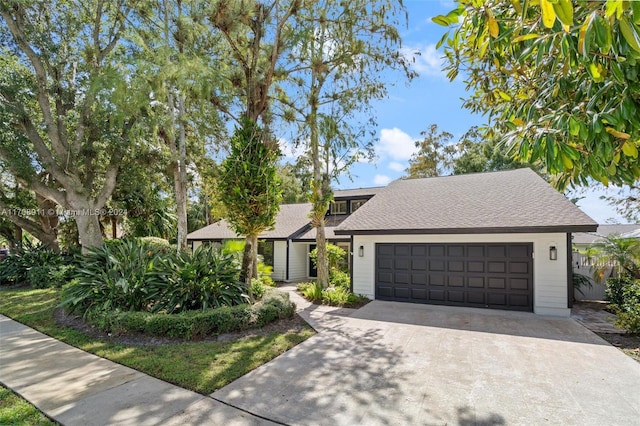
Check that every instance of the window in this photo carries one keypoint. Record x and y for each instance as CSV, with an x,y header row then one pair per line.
x,y
356,204
339,207
265,249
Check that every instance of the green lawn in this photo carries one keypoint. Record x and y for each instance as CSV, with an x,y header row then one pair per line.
x,y
16,411
200,366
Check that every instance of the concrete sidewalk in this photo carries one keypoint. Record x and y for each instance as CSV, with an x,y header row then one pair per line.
x,y
74,387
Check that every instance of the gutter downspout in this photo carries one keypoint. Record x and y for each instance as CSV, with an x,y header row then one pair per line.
x,y
287,262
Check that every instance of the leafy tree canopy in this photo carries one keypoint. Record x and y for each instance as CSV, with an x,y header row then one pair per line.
x,y
558,78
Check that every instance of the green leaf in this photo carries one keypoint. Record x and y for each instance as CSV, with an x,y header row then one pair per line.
x,y
635,7
630,150
574,127
525,37
564,11
548,13
630,34
441,20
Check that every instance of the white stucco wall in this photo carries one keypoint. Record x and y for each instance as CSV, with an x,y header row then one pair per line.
x,y
549,276
279,260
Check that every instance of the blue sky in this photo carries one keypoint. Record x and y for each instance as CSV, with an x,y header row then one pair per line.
x,y
430,99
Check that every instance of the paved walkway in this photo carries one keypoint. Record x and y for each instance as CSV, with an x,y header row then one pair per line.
x,y
76,388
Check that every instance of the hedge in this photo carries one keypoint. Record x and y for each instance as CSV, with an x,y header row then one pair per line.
x,y
196,324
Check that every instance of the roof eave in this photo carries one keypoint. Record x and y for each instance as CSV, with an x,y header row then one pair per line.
x,y
498,230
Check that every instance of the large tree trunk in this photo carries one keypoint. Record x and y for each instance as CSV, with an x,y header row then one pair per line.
x,y
88,228
181,177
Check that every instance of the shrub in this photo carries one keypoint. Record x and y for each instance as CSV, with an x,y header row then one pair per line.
x,y
628,311
336,257
257,288
196,324
46,276
311,291
339,279
155,244
205,279
121,275
338,296
614,288
15,268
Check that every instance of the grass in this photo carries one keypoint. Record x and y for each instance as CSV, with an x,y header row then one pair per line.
x,y
16,411
199,366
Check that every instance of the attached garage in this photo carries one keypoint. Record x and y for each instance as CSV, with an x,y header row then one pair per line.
x,y
494,275
498,240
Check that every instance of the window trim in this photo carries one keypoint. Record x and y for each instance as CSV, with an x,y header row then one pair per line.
x,y
335,204
359,200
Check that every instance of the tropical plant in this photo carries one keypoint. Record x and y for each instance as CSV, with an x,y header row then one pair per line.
x,y
123,275
336,257
558,78
251,189
621,254
205,279
32,264
580,282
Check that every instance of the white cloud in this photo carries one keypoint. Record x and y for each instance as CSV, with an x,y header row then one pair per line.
x,y
289,151
397,167
396,144
425,59
381,179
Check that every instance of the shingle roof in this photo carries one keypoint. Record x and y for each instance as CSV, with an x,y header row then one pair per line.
x,y
509,201
358,192
603,231
331,222
291,219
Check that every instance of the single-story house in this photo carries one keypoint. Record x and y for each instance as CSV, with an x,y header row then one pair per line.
x,y
497,240
584,263
286,248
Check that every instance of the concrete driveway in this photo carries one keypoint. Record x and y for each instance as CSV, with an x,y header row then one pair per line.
x,y
392,363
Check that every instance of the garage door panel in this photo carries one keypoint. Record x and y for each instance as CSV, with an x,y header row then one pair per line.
x,y
519,251
481,275
419,279
402,278
476,298
455,266
419,293
456,281
496,267
402,250
437,280
455,251
518,267
455,296
402,263
475,282
436,250
476,251
497,251
402,292
519,284
419,264
436,265
385,263
385,277
385,291
497,283
419,250
436,295
475,266
497,299
519,300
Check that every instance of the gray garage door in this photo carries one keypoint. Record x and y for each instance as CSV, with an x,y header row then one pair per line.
x,y
498,276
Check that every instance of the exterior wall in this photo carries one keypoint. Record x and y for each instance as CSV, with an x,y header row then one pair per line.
x,y
549,276
279,261
196,244
298,261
